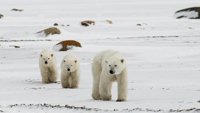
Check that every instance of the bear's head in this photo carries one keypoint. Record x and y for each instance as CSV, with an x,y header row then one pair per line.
x,y
70,64
115,65
47,58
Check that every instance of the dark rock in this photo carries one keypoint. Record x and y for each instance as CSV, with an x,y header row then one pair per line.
x,y
190,13
55,24
15,9
1,16
87,23
16,46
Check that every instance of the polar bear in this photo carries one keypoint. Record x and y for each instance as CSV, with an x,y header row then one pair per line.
x,y
70,71
109,66
48,69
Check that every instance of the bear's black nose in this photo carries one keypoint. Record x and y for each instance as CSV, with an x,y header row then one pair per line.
x,y
46,62
68,69
112,72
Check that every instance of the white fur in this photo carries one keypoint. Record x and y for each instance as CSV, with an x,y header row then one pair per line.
x,y
103,63
70,78
49,70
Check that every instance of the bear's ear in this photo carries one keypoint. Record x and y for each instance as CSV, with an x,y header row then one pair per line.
x,y
75,61
41,55
122,60
106,61
64,61
51,55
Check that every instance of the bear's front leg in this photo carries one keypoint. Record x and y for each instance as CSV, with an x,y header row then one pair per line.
x,y
45,76
74,80
105,88
65,81
122,86
45,79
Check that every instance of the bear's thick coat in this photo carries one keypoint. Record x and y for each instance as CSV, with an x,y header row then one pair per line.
x,y
70,71
109,66
48,69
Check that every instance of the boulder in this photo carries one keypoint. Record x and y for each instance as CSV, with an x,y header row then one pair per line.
x,y
1,16
87,23
66,45
15,9
189,13
50,31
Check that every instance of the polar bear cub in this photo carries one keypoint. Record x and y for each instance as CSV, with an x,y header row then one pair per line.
x,y
109,66
48,69
70,71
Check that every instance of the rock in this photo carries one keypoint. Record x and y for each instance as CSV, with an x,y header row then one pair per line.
x,y
190,13
66,45
87,23
15,9
50,31
15,46
109,21
1,16
55,24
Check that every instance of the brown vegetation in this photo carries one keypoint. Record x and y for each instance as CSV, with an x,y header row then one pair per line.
x,y
50,31
67,44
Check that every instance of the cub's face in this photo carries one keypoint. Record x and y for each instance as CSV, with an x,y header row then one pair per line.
x,y
115,66
70,65
47,59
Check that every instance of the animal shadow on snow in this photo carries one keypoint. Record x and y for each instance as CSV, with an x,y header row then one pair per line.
x,y
36,84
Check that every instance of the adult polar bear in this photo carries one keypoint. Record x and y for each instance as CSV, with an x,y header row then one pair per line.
x,y
109,66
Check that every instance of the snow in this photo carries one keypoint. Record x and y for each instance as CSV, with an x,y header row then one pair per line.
x,y
57,47
162,54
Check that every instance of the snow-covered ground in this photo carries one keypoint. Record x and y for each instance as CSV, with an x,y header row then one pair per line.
x,y
163,55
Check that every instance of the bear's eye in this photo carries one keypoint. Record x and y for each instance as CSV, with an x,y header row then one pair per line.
x,y
109,65
48,58
71,65
64,61
115,65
